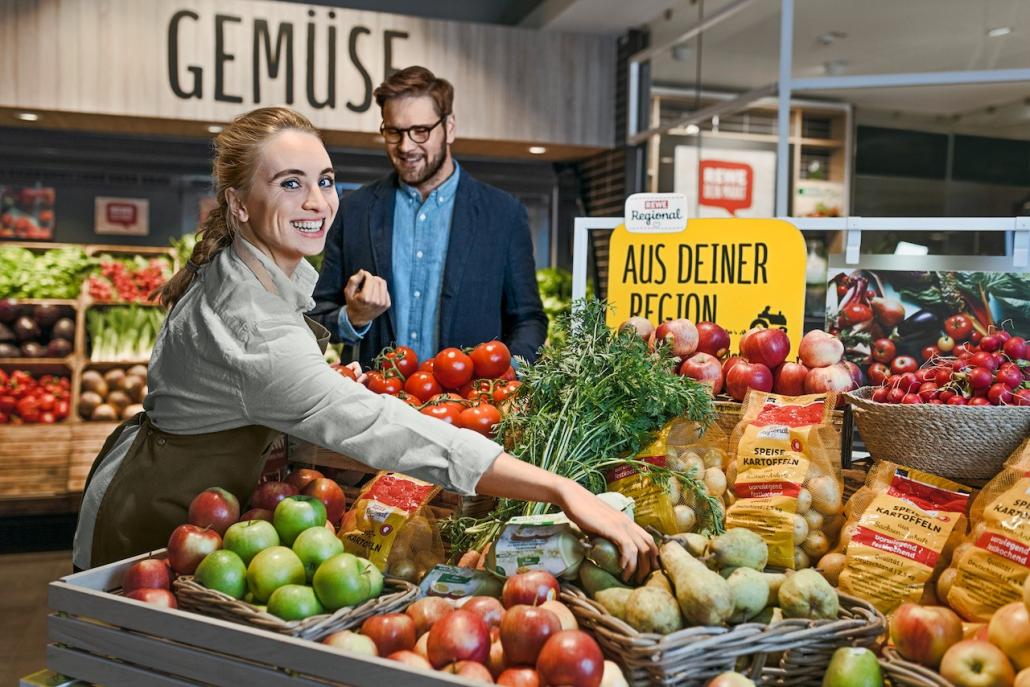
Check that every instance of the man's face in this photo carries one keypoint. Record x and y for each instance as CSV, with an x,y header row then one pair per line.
x,y
417,163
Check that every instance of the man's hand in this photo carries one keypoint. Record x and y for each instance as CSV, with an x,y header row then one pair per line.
x,y
367,298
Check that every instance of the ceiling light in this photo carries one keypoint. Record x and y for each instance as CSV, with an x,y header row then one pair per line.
x,y
835,67
214,128
27,116
681,52
693,130
537,150
999,32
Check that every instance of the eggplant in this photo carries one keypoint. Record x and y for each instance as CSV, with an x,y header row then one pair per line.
x,y
64,328
9,351
59,348
9,310
920,324
46,315
25,328
33,349
6,335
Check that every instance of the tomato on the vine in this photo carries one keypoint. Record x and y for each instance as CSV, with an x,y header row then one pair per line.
x,y
478,390
958,327
509,375
426,366
344,371
380,383
448,412
402,359
412,401
480,418
504,389
452,368
422,385
490,359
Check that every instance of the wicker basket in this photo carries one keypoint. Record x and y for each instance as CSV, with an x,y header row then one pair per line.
x,y
963,443
397,594
794,652
900,673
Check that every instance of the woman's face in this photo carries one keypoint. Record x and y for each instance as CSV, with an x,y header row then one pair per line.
x,y
292,198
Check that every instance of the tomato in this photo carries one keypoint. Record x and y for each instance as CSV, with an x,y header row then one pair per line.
x,y
842,289
448,412
46,402
878,373
452,368
904,363
504,389
402,359
344,371
426,366
61,409
422,385
478,390
856,313
480,418
7,404
4,418
884,350
491,359
412,401
958,327
946,344
47,418
379,383
28,406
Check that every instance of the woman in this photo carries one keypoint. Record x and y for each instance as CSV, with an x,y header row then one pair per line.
x,y
237,362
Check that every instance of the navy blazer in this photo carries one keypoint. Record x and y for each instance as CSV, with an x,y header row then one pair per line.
x,y
489,288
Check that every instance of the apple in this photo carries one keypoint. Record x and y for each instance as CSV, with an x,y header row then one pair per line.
x,y
187,546
681,336
641,326
314,546
856,373
519,677
330,494
922,634
530,588
1009,630
268,495
272,568
422,646
294,514
346,580
294,602
728,364
572,658
712,339
853,667
470,670
612,676
247,537
562,612
489,609
789,379
351,643
300,478
154,597
744,375
976,663
215,508
150,573
410,659
497,661
704,368
459,636
888,311
833,378
391,632
766,346
1022,679
730,679
428,610
524,630
819,349
223,571
257,514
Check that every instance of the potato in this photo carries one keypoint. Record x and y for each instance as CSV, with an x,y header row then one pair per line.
x,y
686,518
800,529
713,458
815,544
826,495
831,565
815,520
715,481
804,501
674,490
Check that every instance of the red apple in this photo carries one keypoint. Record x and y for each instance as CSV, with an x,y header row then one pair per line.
x,y
269,494
766,346
302,477
215,508
391,632
154,597
410,659
1009,630
704,368
641,325
149,573
427,611
712,339
728,364
856,373
329,493
458,636
524,630
571,658
789,379
352,643
422,646
519,677
976,663
744,375
565,616
833,378
923,633
681,336
188,545
819,349
488,608
531,588
470,670
257,514
497,661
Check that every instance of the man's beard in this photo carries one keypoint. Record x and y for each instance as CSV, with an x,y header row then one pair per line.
x,y
433,163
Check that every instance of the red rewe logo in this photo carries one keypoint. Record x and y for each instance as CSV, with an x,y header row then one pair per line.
x,y
725,185
121,213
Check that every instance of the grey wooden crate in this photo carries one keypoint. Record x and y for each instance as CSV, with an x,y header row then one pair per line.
x,y
108,639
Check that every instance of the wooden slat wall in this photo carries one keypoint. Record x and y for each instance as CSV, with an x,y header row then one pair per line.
x,y
110,57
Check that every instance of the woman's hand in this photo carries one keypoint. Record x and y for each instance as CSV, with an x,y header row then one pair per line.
x,y
355,367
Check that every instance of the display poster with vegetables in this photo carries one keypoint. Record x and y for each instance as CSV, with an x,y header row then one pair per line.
x,y
27,213
741,273
893,321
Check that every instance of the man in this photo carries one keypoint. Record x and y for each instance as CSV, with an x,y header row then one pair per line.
x,y
428,257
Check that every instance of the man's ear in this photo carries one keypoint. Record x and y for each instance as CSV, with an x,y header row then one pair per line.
x,y
451,127
236,206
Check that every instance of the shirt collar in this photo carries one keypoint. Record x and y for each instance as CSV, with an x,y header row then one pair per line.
x,y
442,193
296,291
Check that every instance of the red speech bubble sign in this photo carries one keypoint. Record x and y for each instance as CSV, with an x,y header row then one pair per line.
x,y
726,185
121,213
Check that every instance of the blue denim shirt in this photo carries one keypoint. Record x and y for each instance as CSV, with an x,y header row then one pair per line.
x,y
421,231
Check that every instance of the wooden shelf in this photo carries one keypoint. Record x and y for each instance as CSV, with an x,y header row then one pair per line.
x,y
88,302
68,302
111,364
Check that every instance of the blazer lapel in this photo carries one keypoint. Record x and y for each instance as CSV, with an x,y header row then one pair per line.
x,y
464,223
380,229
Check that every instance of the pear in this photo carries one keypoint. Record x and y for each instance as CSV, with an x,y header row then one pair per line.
x,y
807,594
651,609
750,594
740,547
704,597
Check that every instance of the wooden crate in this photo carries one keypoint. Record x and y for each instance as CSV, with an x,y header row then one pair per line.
x,y
104,638
87,440
728,414
34,460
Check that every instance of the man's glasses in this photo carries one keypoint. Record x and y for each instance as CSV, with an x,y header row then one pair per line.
x,y
418,134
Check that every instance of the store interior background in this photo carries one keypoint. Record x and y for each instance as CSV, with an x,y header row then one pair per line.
x,y
948,151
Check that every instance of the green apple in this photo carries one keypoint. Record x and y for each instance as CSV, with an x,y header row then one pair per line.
x,y
223,571
294,602
272,568
853,667
314,546
294,514
346,580
247,538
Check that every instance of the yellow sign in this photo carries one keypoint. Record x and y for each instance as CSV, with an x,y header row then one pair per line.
x,y
738,273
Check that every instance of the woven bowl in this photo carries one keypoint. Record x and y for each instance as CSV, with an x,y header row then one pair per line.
x,y
967,444
397,594
900,673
